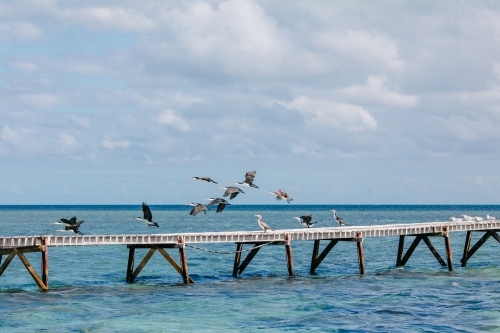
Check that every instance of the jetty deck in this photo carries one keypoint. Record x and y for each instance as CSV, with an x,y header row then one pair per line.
x,y
17,245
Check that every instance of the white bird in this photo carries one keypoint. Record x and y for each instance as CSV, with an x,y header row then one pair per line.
x,y
205,179
467,217
263,224
249,176
454,219
490,217
337,218
281,195
305,220
197,208
147,216
232,192
478,218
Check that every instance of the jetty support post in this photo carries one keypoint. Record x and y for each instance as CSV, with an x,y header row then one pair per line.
x,y
130,264
469,253
361,255
182,253
45,262
7,261
237,258
314,258
401,248
289,257
447,245
465,255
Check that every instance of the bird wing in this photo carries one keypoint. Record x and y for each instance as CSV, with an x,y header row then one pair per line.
x,y
147,213
307,218
221,207
233,195
72,220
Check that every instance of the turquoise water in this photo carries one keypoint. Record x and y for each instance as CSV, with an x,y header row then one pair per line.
x,y
89,293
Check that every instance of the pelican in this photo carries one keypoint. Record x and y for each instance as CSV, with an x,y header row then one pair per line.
x,y
490,217
263,224
197,208
232,192
249,176
148,217
305,220
221,203
205,179
282,195
337,218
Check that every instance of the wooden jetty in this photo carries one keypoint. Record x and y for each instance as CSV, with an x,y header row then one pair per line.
x,y
12,246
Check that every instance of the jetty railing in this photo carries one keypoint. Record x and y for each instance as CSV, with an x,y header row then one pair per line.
x,y
18,245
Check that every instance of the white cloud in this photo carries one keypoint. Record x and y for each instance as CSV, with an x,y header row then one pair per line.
x,y
80,121
320,112
19,31
375,91
9,135
371,48
66,141
110,144
168,117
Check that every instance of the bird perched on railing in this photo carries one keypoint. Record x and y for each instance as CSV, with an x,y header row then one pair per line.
x,y
147,216
454,219
249,176
305,220
232,192
205,179
262,224
467,218
490,217
282,195
221,203
337,218
197,208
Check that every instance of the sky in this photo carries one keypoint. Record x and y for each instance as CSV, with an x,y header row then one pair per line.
x,y
335,102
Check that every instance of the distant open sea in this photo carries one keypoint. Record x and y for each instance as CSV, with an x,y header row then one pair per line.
x,y
88,292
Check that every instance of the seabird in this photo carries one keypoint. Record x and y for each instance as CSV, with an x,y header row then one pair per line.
x,y
305,220
454,219
232,191
263,224
70,225
197,208
222,203
66,222
249,176
467,217
148,217
205,179
478,218
282,195
490,217
337,218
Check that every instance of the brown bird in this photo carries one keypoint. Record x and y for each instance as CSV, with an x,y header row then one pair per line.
x,y
249,176
282,195
263,224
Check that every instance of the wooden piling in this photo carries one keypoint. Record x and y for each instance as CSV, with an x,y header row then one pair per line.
x,y
237,258
447,246
249,257
182,253
466,248
314,256
401,247
289,257
172,262
32,272
130,264
143,263
476,246
45,263
361,256
412,248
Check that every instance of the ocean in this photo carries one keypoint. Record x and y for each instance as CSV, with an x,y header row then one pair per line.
x,y
88,291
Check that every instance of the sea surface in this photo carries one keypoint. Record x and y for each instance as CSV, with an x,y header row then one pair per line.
x,y
88,292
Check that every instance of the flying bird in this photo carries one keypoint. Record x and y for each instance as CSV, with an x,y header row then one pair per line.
x,y
305,220
337,218
282,195
197,208
221,203
205,179
263,224
232,192
70,225
66,222
249,176
148,217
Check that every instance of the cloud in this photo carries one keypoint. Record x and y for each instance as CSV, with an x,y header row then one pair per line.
x,y
19,31
375,91
9,135
111,145
168,117
80,121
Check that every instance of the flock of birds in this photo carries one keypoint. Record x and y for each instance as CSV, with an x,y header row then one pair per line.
x,y
467,218
72,225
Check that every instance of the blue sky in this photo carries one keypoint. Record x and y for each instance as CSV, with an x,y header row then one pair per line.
x,y
349,102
